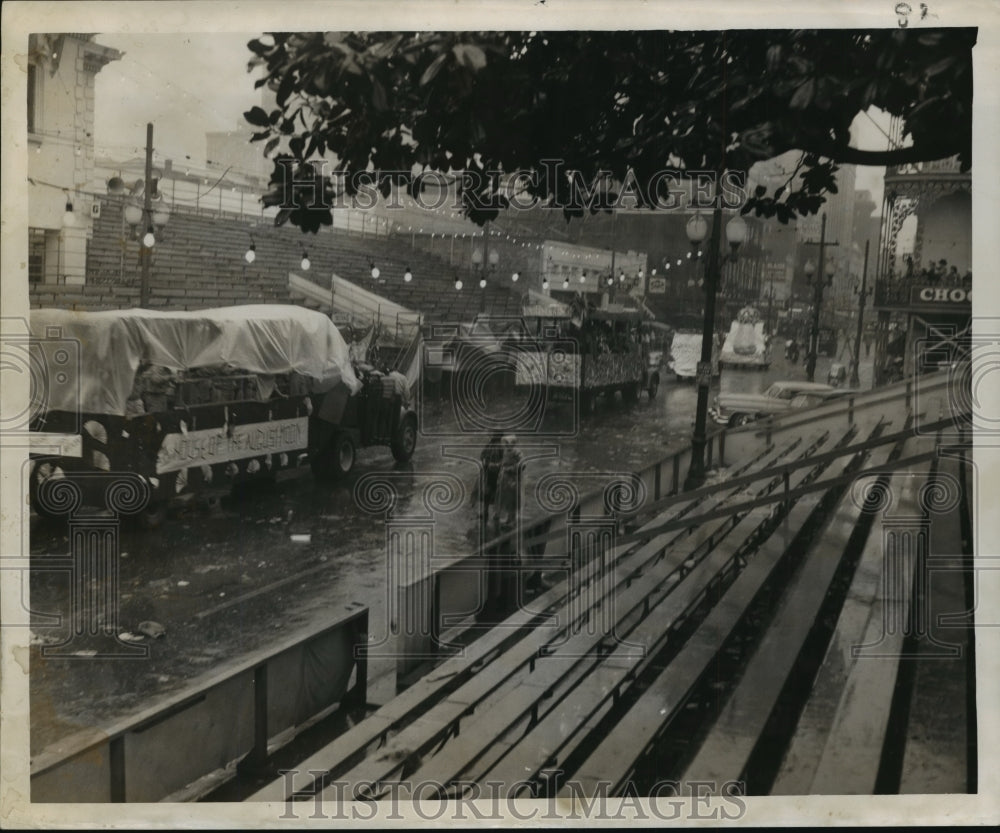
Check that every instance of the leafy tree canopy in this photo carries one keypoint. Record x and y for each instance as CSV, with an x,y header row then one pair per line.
x,y
618,102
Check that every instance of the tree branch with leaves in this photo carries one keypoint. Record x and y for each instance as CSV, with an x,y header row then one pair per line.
x,y
387,106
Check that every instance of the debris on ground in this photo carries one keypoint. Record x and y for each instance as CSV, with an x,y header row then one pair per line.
x,y
154,630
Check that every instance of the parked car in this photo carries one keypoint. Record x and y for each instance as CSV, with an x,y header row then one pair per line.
x,y
740,408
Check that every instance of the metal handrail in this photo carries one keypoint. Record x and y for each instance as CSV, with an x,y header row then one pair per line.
x,y
495,544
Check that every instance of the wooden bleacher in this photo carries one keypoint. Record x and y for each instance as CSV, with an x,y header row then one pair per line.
x,y
198,262
709,646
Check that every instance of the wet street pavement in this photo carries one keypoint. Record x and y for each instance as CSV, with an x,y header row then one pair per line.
x,y
227,579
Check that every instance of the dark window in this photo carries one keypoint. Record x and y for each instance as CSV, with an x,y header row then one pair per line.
x,y
36,255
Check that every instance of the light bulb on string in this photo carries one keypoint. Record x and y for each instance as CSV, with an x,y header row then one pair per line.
x,y
458,284
149,239
407,275
305,261
69,218
482,283
251,254
545,284
514,277
565,283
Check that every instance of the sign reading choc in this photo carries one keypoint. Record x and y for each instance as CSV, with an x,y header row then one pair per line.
x,y
217,445
940,295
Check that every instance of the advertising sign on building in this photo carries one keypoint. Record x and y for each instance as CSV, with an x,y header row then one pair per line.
x,y
657,286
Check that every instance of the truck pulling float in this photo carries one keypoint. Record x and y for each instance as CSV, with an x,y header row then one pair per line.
x,y
197,402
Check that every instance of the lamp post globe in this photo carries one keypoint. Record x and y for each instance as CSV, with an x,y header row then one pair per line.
x,y
696,229
133,214
736,231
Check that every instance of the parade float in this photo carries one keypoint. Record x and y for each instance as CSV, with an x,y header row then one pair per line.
x,y
194,402
685,353
746,344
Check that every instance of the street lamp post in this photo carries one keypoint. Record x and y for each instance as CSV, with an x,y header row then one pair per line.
x,y
696,229
862,295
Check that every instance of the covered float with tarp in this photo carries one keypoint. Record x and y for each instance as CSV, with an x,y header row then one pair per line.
x,y
685,353
113,346
192,401
746,345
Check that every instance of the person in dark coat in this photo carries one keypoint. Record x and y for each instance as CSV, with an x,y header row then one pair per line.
x,y
508,496
490,459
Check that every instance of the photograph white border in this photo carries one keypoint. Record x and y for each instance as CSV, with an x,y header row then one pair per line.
x,y
20,18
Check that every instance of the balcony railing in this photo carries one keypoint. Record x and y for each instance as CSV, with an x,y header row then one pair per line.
x,y
899,291
948,166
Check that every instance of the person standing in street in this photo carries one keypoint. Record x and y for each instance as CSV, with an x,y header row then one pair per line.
x,y
490,459
508,498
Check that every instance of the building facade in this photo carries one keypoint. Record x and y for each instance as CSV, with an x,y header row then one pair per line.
x,y
924,296
61,73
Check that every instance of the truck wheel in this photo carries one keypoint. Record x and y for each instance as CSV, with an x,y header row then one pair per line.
x,y
40,473
153,516
336,460
736,420
654,386
405,441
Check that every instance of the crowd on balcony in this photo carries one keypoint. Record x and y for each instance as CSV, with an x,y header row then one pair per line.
x,y
937,274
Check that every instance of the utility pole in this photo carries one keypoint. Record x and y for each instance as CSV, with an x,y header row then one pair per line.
x,y
146,253
482,273
862,295
820,276
614,242
770,309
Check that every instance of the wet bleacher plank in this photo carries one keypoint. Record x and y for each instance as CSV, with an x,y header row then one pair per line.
x,y
852,754
725,752
935,752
